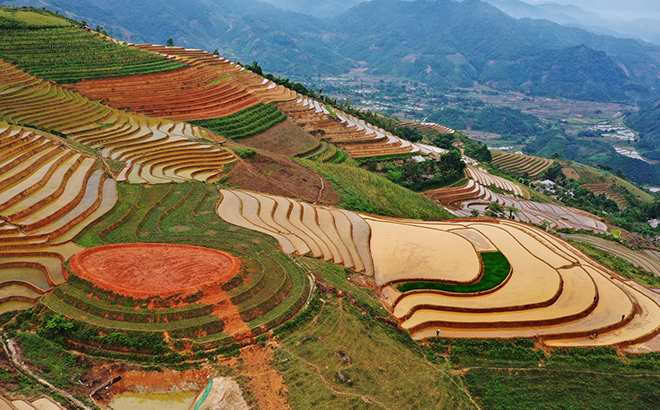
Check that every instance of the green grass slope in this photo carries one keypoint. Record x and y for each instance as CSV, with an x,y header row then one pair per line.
x,y
351,334
363,191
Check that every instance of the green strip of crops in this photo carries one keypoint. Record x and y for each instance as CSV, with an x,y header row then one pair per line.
x,y
70,54
224,78
245,123
329,108
496,270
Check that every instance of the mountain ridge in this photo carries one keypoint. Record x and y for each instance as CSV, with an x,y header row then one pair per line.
x,y
442,43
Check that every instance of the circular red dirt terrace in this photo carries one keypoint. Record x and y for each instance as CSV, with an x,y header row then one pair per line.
x,y
143,270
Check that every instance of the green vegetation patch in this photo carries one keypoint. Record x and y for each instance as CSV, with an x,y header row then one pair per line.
x,y
496,270
30,18
60,367
70,54
245,123
329,108
516,374
363,191
224,78
375,362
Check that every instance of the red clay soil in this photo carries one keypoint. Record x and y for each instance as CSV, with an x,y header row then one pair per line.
x,y
266,383
144,270
571,173
277,175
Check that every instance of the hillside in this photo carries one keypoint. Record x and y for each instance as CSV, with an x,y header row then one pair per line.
x,y
592,152
189,232
442,43
647,122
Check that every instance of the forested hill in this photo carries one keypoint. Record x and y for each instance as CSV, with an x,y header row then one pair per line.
x,y
461,42
647,122
442,42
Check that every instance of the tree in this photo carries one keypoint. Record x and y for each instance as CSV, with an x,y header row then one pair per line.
x,y
59,324
444,141
495,210
555,173
216,52
474,213
394,176
620,174
545,224
170,42
512,211
255,68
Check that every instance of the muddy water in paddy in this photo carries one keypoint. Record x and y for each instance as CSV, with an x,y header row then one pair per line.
x,y
162,401
9,306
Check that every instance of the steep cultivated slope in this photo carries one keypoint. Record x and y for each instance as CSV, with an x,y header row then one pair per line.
x,y
152,150
67,52
48,194
208,87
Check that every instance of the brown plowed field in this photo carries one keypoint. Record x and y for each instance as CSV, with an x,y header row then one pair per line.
x,y
144,270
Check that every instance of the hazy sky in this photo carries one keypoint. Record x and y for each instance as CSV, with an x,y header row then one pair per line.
x,y
614,8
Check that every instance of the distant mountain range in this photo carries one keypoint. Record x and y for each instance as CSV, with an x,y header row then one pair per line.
x,y
443,43
645,28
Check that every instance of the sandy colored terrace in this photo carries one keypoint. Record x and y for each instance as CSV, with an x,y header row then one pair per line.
x,y
143,270
554,292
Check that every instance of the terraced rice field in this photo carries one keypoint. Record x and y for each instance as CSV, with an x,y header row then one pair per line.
x,y
553,292
48,194
357,138
208,87
325,152
69,54
152,150
646,259
604,188
272,288
521,164
42,403
484,178
212,88
300,228
425,126
474,196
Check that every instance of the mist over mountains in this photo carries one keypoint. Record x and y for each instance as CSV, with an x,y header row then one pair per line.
x,y
596,17
443,43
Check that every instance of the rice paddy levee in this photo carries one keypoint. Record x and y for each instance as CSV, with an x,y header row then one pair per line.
x,y
478,278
